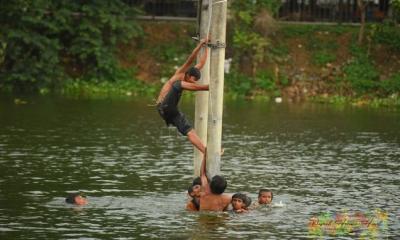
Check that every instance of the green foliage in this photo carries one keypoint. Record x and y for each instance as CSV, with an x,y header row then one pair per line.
x,y
395,4
279,49
323,57
50,41
81,88
310,30
265,80
246,41
243,85
322,46
321,41
391,85
272,5
388,33
248,8
251,43
3,46
361,72
335,99
238,83
284,79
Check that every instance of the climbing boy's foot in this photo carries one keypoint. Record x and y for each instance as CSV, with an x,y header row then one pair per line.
x,y
222,151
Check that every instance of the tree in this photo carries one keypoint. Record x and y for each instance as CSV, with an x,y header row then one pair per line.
x,y
45,42
396,9
253,21
362,5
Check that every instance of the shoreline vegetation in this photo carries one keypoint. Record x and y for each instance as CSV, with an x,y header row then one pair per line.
x,y
316,63
102,55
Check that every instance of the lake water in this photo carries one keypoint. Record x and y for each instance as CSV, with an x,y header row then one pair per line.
x,y
321,162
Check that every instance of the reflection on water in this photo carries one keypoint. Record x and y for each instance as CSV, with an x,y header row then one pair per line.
x,y
135,171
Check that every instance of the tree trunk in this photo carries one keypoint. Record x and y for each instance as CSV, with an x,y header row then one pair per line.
x,y
361,8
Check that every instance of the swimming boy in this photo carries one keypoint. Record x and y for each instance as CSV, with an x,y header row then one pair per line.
x,y
194,192
265,197
184,78
240,202
76,198
213,197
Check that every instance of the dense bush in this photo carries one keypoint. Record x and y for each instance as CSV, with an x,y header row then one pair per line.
x,y
388,34
361,72
252,22
265,81
45,42
391,85
238,83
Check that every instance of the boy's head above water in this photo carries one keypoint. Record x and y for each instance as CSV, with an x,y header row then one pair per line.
x,y
76,198
218,184
240,201
265,196
194,190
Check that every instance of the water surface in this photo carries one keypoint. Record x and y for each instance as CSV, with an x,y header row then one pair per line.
x,y
316,158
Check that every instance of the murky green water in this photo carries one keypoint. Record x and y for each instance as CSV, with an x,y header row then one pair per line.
x,y
317,159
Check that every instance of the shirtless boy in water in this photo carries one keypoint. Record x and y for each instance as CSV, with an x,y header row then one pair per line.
x,y
184,78
213,198
194,191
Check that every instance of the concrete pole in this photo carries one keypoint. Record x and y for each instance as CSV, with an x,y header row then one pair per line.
x,y
218,38
201,112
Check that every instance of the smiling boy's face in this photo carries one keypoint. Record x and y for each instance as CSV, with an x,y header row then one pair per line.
x,y
237,203
265,198
196,191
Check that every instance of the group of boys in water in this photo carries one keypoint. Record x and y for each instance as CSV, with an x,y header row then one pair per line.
x,y
204,194
210,196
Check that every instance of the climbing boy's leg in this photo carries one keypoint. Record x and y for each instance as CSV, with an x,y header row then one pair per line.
x,y
195,140
184,127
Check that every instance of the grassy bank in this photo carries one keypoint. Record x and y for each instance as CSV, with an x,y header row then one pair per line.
x,y
321,63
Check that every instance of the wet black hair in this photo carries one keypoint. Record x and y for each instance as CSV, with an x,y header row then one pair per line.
x,y
190,189
246,199
265,190
218,184
196,181
195,72
71,198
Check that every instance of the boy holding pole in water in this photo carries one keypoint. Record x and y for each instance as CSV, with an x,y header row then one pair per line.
x,y
213,197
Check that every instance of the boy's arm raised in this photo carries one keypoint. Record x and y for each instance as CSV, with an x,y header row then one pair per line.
x,y
203,175
203,59
194,86
191,58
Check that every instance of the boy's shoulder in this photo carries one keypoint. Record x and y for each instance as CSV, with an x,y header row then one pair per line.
x,y
227,197
215,201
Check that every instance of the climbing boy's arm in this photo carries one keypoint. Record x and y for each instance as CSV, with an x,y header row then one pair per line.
x,y
194,86
203,59
191,58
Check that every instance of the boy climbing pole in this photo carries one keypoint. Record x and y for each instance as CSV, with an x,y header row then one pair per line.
x,y
185,78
